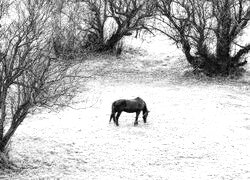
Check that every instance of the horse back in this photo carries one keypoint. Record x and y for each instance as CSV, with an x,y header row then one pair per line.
x,y
130,106
119,105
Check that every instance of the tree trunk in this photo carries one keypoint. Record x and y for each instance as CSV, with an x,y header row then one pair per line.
x,y
223,55
186,49
112,42
3,111
224,39
7,137
12,130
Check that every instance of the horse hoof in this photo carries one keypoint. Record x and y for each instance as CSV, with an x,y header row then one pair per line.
x,y
136,123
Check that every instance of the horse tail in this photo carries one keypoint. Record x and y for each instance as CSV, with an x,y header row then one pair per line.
x,y
112,112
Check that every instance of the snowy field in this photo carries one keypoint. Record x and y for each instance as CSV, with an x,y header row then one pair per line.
x,y
198,128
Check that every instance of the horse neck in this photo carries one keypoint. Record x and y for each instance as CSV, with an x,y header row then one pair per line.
x,y
145,109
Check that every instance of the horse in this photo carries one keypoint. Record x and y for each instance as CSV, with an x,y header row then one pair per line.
x,y
130,106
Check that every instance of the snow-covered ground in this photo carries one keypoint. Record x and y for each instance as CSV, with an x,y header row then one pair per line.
x,y
198,128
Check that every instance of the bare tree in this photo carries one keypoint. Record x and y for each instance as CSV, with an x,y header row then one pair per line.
x,y
130,16
30,76
200,25
67,31
127,16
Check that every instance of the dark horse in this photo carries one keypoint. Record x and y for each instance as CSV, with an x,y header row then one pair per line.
x,y
130,106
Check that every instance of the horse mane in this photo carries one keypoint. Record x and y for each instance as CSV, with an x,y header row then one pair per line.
x,y
145,109
138,98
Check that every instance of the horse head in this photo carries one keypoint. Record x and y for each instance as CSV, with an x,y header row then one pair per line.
x,y
145,115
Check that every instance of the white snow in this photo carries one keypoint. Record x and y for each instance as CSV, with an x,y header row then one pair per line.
x,y
198,128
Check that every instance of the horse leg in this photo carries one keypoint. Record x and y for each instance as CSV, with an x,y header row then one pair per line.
x,y
144,118
117,118
112,116
136,118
